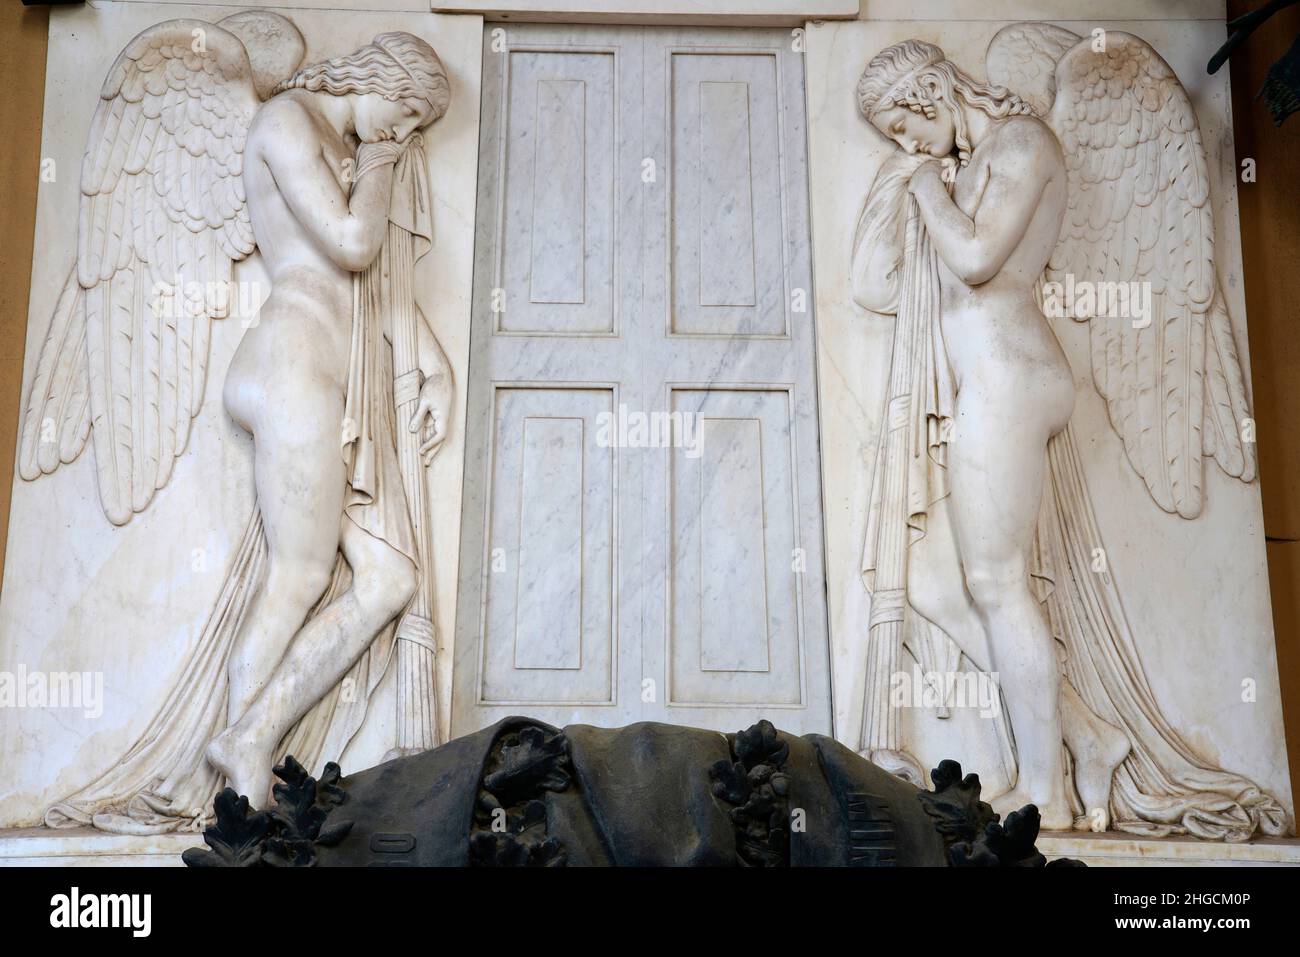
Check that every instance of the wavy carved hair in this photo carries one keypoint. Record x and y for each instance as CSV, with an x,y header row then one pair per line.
x,y
915,74
395,66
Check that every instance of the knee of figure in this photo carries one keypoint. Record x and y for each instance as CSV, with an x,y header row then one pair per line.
x,y
298,584
387,586
993,584
932,600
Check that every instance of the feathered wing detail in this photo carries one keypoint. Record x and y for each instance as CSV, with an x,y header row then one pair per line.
x,y
1023,56
162,221
56,419
1140,218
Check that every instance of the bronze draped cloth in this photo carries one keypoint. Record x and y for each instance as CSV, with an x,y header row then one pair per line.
x,y
164,783
1163,787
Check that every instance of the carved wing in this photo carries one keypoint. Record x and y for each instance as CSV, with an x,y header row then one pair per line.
x,y
1023,56
1140,212
162,208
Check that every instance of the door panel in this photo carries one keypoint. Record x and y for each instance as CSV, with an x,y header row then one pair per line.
x,y
549,636
726,255
547,622
733,538
643,238
736,635
558,228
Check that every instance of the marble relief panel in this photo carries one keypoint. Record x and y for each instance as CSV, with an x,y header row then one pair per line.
x,y
146,518
1106,501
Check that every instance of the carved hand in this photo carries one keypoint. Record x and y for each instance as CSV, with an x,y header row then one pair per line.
x,y
434,405
932,170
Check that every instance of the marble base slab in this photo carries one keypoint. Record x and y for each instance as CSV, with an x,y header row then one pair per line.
x,y
86,847
697,12
1126,850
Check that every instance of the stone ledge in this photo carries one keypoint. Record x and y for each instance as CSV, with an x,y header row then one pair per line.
x,y
86,847
1127,850
657,12
1059,10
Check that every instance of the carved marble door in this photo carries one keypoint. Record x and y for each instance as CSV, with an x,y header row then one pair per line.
x,y
642,536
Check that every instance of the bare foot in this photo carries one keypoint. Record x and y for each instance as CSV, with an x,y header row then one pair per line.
x,y
1095,761
1053,815
1009,801
240,760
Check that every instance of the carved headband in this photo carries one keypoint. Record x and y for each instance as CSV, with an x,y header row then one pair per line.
x,y
896,86
424,95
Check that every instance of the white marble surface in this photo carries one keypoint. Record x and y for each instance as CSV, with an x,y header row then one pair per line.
x,y
771,11
128,602
1195,591
1055,10
86,847
712,12
609,577
83,595
1122,850
372,6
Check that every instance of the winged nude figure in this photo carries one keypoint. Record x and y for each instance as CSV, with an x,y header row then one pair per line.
x,y
209,141
1079,165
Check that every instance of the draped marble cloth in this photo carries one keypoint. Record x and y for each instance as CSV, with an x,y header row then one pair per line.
x,y
1162,787
164,783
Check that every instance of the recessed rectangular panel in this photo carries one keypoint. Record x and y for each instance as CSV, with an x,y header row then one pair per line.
x,y
727,242
556,271
733,586
549,624
559,206
736,634
726,246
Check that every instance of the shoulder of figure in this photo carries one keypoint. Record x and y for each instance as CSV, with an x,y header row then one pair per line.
x,y
284,119
1028,142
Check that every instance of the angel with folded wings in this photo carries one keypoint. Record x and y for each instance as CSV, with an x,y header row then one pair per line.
x,y
1079,165
208,141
